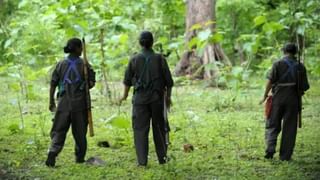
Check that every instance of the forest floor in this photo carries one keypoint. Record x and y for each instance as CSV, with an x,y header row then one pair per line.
x,y
226,128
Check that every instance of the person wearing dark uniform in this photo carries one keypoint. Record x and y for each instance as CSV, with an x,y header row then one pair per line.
x,y
283,80
149,73
68,76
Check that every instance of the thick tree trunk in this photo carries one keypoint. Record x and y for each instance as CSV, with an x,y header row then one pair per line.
x,y
201,12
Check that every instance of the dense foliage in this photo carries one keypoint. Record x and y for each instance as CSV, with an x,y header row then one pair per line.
x,y
251,32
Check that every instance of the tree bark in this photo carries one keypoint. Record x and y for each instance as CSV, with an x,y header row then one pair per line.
x,y
103,66
201,12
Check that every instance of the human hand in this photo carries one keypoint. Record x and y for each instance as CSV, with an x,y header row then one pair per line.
x,y
263,100
52,107
168,102
122,99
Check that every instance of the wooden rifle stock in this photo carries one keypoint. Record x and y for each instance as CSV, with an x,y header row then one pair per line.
x,y
299,84
87,88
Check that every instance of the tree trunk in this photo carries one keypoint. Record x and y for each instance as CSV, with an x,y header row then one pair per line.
x,y
201,12
103,66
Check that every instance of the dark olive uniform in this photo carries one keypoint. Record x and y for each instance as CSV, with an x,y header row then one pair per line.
x,y
153,72
285,105
72,107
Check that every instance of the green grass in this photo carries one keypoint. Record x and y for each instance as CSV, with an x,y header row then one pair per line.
x,y
226,128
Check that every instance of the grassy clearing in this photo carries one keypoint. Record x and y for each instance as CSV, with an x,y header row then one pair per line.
x,y
226,128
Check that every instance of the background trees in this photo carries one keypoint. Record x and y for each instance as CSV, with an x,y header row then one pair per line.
x,y
201,34
224,124
210,34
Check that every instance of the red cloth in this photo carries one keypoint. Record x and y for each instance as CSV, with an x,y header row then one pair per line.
x,y
268,107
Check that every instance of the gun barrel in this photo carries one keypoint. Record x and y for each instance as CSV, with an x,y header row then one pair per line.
x,y
166,121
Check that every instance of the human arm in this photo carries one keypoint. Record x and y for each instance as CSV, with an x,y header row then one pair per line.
x,y
168,81
127,82
55,78
92,76
266,91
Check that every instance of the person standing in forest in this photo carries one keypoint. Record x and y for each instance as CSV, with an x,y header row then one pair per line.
x,y
68,76
283,79
149,73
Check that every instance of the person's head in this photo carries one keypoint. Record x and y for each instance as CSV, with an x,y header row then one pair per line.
x,y
146,39
74,47
290,49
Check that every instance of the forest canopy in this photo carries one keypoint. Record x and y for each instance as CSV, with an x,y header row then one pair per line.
x,y
250,32
219,53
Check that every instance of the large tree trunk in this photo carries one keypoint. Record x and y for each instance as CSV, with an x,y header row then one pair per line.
x,y
201,12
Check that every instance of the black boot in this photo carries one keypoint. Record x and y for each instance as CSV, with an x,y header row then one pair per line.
x,y
164,160
51,160
285,158
80,160
269,155
141,165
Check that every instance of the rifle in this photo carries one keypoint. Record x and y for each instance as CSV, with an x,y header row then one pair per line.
x,y
299,83
86,77
166,121
165,111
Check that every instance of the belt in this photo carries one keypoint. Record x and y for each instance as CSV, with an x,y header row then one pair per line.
x,y
286,84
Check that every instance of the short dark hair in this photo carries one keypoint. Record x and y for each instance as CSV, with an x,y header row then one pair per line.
x,y
72,44
290,48
146,39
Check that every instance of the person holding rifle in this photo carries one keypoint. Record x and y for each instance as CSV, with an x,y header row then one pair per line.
x,y
72,109
288,82
149,73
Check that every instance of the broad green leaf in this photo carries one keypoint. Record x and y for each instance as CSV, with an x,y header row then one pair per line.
x,y
204,35
78,28
15,87
298,15
123,38
217,37
284,11
22,4
248,47
210,23
14,128
259,20
162,40
272,27
301,30
174,45
195,27
120,122
193,42
236,71
7,43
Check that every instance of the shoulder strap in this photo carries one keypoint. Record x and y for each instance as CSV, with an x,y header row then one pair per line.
x,y
146,62
72,66
291,68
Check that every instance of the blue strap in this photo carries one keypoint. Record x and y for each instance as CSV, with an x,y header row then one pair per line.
x,y
72,66
291,69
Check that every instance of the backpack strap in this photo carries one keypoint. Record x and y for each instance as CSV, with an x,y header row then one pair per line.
x,y
146,62
72,66
290,71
